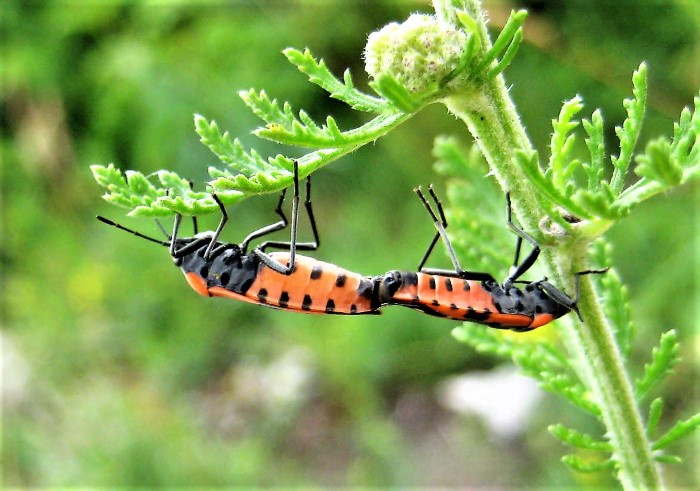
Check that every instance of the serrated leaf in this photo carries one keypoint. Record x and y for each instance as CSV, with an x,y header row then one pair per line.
x,y
319,74
579,440
678,431
580,465
543,181
562,142
399,96
616,303
655,411
663,359
328,136
631,127
504,39
127,190
668,459
260,182
596,148
508,56
685,151
570,390
232,152
658,164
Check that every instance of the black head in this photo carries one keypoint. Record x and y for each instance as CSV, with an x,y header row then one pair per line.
x,y
389,284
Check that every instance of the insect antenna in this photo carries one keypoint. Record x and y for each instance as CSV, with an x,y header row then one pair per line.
x,y
134,232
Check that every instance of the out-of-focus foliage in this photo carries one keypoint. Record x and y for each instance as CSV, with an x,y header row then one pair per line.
x,y
116,373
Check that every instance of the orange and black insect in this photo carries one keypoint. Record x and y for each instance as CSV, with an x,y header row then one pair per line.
x,y
476,296
282,280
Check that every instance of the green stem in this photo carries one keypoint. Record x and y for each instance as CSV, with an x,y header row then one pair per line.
x,y
490,115
603,371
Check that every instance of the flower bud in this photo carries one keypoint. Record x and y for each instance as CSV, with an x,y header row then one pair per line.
x,y
418,53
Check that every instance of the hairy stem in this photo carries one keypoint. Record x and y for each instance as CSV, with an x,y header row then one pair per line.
x,y
491,117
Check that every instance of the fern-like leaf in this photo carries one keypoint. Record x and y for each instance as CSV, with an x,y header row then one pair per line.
x,y
562,142
663,359
679,430
631,127
656,409
577,439
577,464
286,128
616,302
596,148
503,42
320,75
658,163
530,165
136,192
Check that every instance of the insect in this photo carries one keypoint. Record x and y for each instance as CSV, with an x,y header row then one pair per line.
x,y
282,280
476,296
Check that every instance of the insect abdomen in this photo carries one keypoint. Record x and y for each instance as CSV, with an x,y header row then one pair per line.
x,y
455,298
314,287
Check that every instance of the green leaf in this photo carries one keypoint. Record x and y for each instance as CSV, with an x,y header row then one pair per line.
x,y
562,384
319,74
399,96
128,191
562,142
663,359
685,153
616,304
678,431
579,440
133,190
530,165
580,465
658,163
655,411
504,40
631,127
508,56
596,147
668,459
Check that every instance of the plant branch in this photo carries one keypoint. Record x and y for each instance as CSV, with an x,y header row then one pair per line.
x,y
485,106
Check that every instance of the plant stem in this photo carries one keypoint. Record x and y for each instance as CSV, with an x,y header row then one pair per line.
x,y
602,369
493,121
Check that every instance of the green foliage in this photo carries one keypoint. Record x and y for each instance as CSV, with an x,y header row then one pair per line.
x,y
133,190
448,59
663,164
247,173
663,358
616,303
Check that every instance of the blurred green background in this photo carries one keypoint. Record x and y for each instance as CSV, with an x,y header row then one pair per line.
x,y
115,373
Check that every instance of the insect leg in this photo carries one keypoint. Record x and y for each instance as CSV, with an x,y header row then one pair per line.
x,y
300,246
219,228
266,258
517,270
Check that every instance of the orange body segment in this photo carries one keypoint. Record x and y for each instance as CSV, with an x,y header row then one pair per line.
x,y
459,299
313,287
197,283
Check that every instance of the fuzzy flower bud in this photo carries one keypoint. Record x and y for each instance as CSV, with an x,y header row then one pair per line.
x,y
418,53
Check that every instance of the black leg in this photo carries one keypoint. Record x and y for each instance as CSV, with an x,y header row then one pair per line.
x,y
440,224
292,244
299,246
268,229
195,227
562,298
520,269
219,228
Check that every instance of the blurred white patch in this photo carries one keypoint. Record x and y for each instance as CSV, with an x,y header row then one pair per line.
x,y
503,398
14,372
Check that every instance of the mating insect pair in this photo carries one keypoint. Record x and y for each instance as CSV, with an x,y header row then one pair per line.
x,y
294,282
